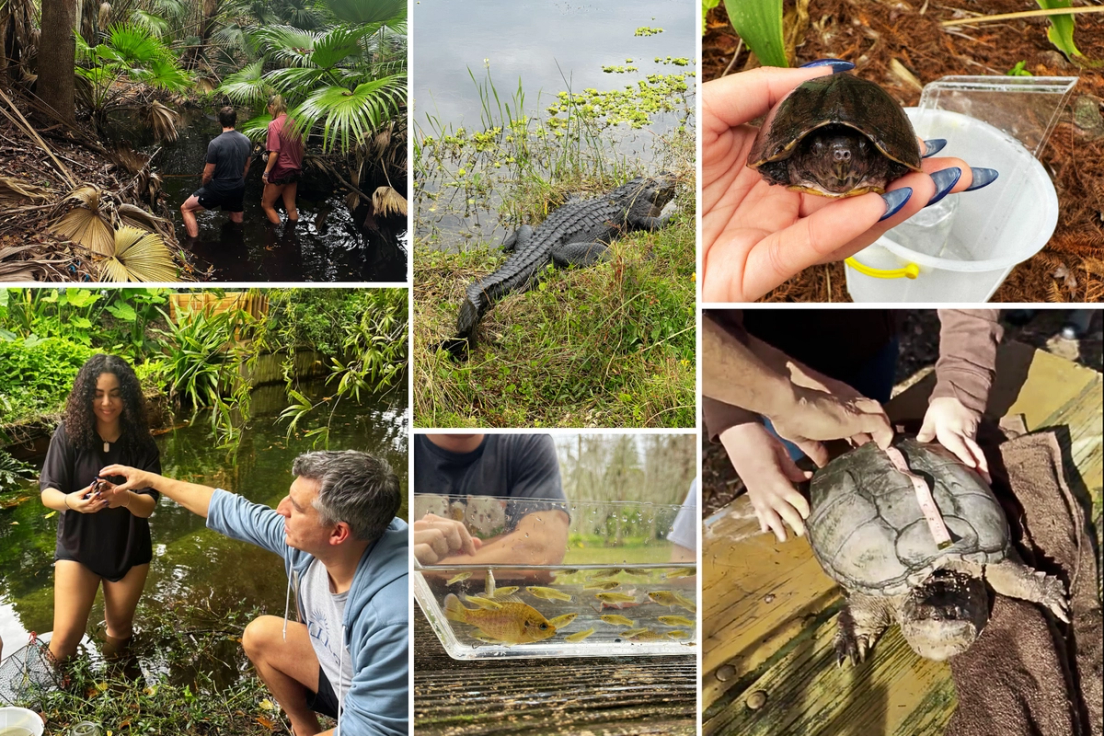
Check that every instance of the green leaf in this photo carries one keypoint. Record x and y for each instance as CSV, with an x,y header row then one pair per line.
x,y
759,23
82,322
363,12
1060,32
122,311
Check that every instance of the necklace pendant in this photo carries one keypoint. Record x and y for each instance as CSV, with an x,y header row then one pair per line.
x,y
107,446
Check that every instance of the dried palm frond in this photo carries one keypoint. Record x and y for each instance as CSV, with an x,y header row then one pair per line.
x,y
386,201
87,224
162,120
138,256
129,160
137,217
12,190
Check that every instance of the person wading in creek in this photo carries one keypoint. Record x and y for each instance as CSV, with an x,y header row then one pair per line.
x,y
345,554
223,175
285,163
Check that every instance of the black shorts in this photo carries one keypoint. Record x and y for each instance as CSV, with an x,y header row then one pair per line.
x,y
232,200
283,176
325,700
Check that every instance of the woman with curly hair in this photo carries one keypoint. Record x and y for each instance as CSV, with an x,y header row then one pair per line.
x,y
101,536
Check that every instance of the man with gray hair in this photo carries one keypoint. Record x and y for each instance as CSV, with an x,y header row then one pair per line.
x,y
346,556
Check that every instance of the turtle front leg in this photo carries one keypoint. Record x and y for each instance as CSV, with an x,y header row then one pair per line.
x,y
860,623
1017,580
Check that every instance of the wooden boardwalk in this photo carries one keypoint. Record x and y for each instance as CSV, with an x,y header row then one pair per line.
x,y
769,611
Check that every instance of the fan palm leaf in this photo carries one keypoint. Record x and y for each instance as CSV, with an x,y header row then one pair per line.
x,y
347,116
138,255
386,201
246,87
336,45
86,224
151,22
12,190
292,81
134,45
362,12
162,121
287,44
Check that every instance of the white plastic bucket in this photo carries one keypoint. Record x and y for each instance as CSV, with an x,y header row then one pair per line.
x,y
994,228
21,718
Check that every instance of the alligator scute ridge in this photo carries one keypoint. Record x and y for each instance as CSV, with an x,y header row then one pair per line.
x,y
575,234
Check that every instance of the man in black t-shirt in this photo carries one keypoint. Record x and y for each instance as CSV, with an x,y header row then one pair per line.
x,y
223,176
505,487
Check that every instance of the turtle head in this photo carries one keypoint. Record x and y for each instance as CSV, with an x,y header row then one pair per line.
x,y
942,616
838,161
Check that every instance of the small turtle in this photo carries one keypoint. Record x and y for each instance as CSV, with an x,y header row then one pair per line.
x,y
836,136
869,534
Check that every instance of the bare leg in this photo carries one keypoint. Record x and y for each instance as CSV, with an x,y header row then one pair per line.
x,y
74,590
1016,580
120,600
290,669
861,622
188,211
268,202
237,217
290,190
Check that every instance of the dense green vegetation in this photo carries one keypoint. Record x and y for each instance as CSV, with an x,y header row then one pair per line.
x,y
196,355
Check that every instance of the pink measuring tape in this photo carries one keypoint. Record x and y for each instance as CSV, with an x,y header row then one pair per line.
x,y
924,497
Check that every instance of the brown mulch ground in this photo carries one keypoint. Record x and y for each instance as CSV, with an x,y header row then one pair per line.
x,y
919,350
873,34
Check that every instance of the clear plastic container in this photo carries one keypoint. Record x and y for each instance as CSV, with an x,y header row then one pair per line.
x,y
964,248
617,580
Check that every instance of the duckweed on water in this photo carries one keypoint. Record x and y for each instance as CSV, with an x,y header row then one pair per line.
x,y
645,31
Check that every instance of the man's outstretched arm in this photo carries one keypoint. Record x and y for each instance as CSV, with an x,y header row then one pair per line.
x,y
192,496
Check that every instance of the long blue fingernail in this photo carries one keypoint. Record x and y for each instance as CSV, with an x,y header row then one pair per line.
x,y
934,146
944,179
837,65
982,178
894,201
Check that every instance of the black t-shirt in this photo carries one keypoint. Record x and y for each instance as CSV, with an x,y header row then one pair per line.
x,y
515,466
228,152
109,542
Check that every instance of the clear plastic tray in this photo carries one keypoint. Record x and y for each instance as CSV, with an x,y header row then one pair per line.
x,y
617,564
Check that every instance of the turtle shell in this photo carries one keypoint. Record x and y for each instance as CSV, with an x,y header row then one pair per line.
x,y
867,530
836,136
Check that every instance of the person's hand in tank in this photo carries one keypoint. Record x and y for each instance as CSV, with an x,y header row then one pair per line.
x,y
436,538
769,474
755,235
955,427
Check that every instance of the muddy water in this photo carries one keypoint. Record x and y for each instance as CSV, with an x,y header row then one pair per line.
x,y
330,243
190,562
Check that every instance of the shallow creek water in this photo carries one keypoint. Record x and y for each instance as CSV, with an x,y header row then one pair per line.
x,y
190,562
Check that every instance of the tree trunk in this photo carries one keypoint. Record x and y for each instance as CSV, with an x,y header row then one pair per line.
x,y
56,53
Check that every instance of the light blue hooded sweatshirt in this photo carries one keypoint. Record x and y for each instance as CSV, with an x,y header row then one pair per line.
x,y
376,622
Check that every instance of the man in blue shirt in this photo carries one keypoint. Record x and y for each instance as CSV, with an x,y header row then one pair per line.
x,y
346,556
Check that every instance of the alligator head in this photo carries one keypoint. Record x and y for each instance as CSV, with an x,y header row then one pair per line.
x,y
646,196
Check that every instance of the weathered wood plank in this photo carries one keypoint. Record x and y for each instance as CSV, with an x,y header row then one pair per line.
x,y
769,611
613,696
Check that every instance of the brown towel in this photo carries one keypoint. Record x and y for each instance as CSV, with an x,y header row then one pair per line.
x,y
1029,674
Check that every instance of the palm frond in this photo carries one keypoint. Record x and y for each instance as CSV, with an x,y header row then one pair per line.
x,y
162,121
246,87
134,44
12,190
255,129
362,12
86,224
152,22
336,45
291,80
386,201
347,117
138,255
286,43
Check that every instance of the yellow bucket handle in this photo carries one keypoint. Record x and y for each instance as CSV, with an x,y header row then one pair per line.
x,y
910,271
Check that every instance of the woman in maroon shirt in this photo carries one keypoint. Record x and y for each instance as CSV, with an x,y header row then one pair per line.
x,y
99,540
285,163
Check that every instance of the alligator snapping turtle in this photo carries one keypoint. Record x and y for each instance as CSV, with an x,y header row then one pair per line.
x,y
868,532
836,136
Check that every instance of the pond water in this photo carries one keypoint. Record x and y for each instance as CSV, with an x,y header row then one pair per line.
x,y
330,242
190,562
545,48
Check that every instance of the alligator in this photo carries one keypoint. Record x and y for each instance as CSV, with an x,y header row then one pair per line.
x,y
575,234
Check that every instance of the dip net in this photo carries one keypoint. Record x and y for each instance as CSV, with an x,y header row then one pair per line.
x,y
28,674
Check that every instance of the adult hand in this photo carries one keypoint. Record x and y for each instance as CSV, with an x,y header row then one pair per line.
x,y
85,501
769,473
436,538
955,427
817,416
135,478
755,235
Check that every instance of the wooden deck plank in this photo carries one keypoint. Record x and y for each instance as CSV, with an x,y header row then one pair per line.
x,y
769,611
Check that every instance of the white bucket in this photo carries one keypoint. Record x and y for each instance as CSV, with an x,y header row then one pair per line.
x,y
994,228
21,718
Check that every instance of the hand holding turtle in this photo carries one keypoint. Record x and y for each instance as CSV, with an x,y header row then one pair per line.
x,y
769,474
755,235
85,501
954,426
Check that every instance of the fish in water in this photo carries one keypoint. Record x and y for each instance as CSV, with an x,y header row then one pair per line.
x,y
485,603
579,635
458,578
561,621
675,620
615,597
682,572
615,620
548,594
678,634
602,585
669,598
641,635
503,592
512,623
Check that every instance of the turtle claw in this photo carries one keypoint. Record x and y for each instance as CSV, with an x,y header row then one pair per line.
x,y
1054,598
853,647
